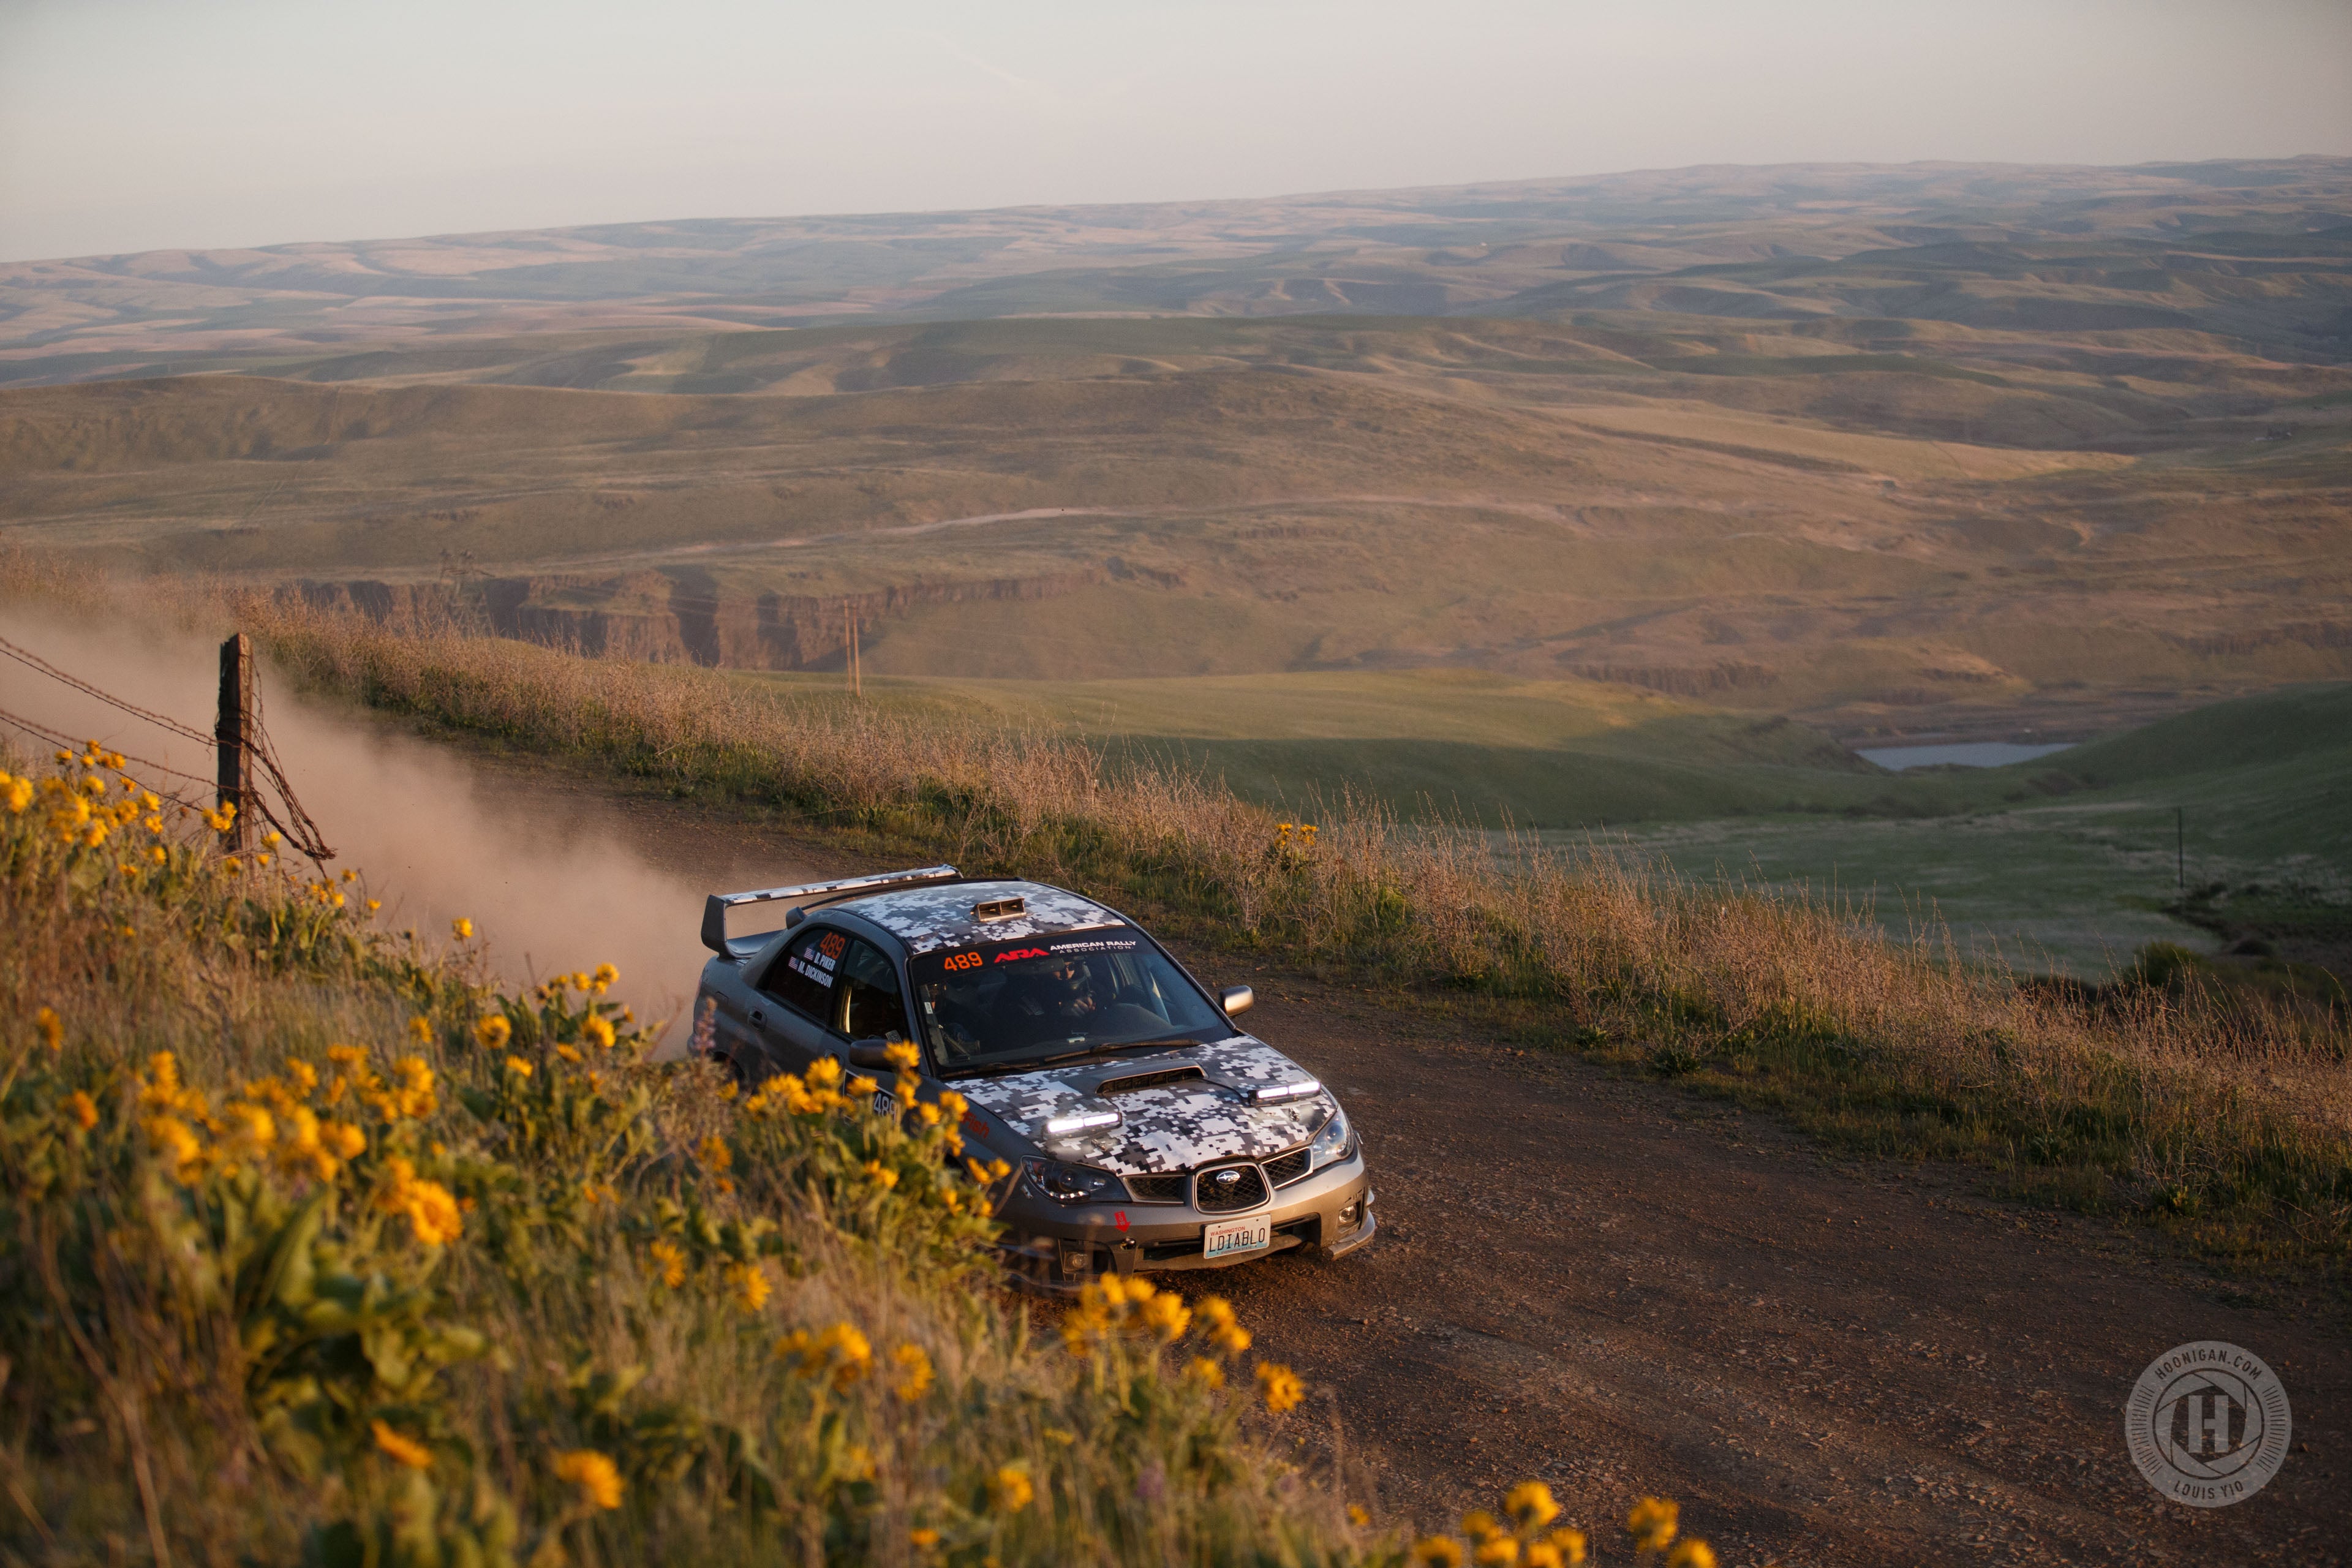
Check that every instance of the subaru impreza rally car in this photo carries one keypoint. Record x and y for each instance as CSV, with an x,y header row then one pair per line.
x,y
1147,1131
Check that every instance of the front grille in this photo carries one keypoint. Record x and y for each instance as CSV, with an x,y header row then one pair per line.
x,y
1147,1080
1157,1189
1212,1196
1285,1169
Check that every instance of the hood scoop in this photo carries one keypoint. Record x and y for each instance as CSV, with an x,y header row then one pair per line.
x,y
1149,1080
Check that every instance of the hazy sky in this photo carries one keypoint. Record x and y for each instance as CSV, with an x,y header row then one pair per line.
x,y
138,124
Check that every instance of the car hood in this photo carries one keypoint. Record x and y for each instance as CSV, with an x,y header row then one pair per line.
x,y
1179,1108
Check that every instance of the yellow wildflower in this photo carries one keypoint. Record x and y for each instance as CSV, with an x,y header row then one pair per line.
x,y
1009,1490
176,1140
1530,1505
1438,1551
880,1175
343,1138
750,1283
1205,1372
1495,1551
414,1095
1280,1385
16,794
1692,1553
599,1192
604,979
1653,1523
598,1030
1166,1315
160,854
902,1055
923,1539
52,1027
841,1349
518,1067
464,928
82,1109
494,1032
672,1263
598,1478
715,1157
1356,1514
432,1209
407,1450
915,1373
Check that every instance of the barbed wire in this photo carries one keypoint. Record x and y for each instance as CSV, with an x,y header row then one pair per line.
x,y
296,828
27,657
63,742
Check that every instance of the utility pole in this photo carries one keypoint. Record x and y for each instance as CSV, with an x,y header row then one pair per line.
x,y
2180,847
849,648
232,737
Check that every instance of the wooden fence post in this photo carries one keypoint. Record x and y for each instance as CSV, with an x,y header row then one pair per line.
x,y
233,738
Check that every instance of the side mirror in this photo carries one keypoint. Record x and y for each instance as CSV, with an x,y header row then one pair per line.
x,y
873,1053
1235,999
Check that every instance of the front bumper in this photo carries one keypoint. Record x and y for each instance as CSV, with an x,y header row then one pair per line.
x,y
1061,1248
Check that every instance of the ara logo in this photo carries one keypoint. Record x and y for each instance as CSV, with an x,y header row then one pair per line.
x,y
1023,952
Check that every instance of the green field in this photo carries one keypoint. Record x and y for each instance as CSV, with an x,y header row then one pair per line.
x,y
2065,863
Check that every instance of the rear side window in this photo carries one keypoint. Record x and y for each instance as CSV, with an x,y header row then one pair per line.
x,y
841,983
807,974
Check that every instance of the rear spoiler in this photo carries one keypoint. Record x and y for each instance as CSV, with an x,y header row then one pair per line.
x,y
715,907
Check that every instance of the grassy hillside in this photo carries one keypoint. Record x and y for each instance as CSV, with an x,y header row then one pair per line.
x,y
1463,742
321,1250
2075,861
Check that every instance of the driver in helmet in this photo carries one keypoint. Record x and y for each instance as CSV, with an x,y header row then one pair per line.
x,y
1058,991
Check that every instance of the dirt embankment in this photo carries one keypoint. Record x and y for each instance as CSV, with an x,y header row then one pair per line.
x,y
680,616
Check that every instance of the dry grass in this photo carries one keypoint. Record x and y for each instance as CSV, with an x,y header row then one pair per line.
x,y
2223,1112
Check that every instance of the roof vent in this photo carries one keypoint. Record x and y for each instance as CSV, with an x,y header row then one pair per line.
x,y
1000,908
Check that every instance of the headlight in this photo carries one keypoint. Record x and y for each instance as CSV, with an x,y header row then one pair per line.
x,y
1072,1184
1336,1142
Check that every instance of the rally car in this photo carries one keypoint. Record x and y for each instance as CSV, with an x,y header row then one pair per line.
x,y
1146,1130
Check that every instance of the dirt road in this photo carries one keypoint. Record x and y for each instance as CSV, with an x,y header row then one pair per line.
x,y
1619,1288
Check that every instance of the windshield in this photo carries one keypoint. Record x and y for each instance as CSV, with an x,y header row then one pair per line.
x,y
1050,997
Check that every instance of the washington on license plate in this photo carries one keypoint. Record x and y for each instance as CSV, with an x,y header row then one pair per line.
x,y
1230,1238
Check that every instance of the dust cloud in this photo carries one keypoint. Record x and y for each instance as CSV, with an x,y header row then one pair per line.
x,y
555,876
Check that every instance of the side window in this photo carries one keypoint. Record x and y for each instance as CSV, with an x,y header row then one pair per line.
x,y
806,974
870,1001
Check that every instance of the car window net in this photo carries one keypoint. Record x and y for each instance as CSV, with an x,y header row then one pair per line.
x,y
870,1003
1021,997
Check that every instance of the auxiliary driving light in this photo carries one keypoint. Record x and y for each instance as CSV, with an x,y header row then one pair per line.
x,y
1274,1094
1083,1122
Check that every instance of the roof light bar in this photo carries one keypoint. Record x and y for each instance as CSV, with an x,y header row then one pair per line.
x,y
1083,1122
1274,1094
715,907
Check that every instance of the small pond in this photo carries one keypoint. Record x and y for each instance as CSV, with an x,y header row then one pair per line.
x,y
1973,754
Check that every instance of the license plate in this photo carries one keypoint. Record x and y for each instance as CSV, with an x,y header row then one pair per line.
x,y
1231,1237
